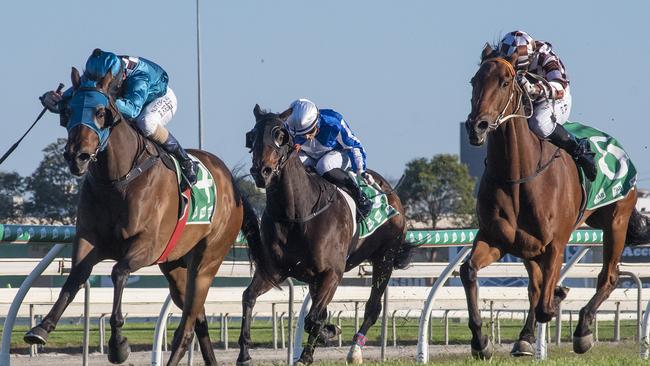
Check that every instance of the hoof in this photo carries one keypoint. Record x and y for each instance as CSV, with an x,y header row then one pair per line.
x,y
248,362
118,352
583,344
522,348
36,335
485,353
354,356
332,330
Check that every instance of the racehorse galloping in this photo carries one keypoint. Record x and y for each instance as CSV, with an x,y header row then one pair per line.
x,y
529,202
129,217
308,234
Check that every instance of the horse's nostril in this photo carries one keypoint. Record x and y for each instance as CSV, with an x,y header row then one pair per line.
x,y
84,157
483,125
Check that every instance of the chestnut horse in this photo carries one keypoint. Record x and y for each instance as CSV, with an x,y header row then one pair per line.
x,y
308,234
528,204
127,212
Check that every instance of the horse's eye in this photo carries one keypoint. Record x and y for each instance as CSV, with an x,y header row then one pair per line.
x,y
505,83
100,113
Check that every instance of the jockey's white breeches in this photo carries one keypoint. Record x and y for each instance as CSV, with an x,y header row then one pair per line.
x,y
156,113
327,162
540,122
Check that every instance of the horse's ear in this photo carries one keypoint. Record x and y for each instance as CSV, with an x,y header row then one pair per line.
x,y
487,52
75,77
284,115
257,111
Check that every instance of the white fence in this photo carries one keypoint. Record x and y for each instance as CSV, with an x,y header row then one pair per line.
x,y
438,298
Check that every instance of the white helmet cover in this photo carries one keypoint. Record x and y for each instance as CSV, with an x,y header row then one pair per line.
x,y
520,42
303,118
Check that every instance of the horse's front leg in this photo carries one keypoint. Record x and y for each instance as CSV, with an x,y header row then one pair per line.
x,y
118,345
483,254
524,345
550,265
256,288
321,293
83,260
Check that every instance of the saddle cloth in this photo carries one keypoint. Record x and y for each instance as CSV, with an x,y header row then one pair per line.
x,y
616,173
381,211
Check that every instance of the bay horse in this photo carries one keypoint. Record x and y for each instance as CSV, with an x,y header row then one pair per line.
x,y
528,204
308,233
127,211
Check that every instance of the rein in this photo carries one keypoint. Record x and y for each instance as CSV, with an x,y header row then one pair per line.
x,y
137,168
286,153
502,118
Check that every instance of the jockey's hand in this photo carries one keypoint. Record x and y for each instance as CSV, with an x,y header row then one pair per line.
x,y
367,177
532,90
50,100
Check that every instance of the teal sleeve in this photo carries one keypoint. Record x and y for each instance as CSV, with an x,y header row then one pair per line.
x,y
137,91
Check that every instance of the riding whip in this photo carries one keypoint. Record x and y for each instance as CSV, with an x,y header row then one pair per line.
x,y
14,146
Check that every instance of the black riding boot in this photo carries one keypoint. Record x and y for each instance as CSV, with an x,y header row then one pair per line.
x,y
579,150
340,178
188,166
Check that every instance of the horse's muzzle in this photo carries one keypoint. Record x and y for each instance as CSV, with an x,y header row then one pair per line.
x,y
77,162
477,131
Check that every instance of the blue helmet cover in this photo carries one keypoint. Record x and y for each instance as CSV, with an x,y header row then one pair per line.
x,y
83,106
98,66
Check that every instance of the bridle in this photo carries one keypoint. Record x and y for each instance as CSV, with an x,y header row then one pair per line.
x,y
285,151
515,90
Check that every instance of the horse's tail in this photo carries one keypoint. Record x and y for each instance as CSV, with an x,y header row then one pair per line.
x,y
257,252
638,229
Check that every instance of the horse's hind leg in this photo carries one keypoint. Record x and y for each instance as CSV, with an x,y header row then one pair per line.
x,y
482,255
200,273
84,259
613,219
176,276
381,272
321,293
524,345
256,288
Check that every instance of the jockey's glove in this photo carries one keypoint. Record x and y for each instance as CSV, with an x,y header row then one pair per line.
x,y
50,100
533,90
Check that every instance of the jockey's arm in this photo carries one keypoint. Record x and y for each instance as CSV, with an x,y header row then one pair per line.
x,y
134,98
350,142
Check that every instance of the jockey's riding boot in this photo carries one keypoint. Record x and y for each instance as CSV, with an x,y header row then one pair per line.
x,y
578,149
340,178
188,166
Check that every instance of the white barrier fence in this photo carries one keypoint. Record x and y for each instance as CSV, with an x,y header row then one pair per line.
x,y
438,297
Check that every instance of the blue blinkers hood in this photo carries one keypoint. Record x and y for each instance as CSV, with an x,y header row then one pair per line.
x,y
83,106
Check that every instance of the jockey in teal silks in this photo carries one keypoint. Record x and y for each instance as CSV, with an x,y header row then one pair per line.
x,y
144,97
328,145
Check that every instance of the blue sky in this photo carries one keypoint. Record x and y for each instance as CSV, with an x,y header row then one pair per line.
x,y
397,70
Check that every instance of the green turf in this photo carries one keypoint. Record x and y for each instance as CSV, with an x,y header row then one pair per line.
x,y
68,337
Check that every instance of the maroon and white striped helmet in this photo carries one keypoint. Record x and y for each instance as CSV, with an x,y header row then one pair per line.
x,y
520,42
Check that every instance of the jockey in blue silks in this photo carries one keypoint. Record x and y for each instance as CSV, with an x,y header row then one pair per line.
x,y
143,97
328,145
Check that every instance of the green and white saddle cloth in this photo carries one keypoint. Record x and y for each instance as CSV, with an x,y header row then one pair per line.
x,y
203,196
381,211
616,173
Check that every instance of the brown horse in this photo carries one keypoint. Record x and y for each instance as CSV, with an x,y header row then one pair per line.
x,y
308,234
127,212
529,202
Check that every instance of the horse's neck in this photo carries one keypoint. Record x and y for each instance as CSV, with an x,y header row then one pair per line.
x,y
122,151
295,194
513,151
